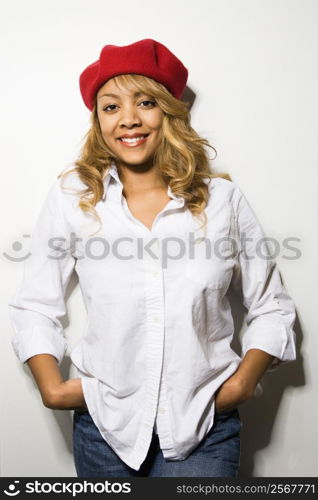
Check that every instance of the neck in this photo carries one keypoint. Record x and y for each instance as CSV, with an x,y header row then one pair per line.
x,y
140,178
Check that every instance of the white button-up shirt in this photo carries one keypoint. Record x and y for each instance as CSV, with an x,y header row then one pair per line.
x,y
156,343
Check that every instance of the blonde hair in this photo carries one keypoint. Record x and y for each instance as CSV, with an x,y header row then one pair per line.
x,y
181,157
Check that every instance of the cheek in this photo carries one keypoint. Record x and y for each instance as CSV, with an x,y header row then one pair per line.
x,y
105,127
106,132
156,121
158,133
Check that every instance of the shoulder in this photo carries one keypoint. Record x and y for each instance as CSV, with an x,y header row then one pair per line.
x,y
223,190
62,196
66,187
227,197
68,181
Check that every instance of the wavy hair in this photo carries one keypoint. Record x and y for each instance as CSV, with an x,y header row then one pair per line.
x,y
181,157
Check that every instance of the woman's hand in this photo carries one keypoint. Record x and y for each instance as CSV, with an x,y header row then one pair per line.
x,y
241,385
67,395
232,393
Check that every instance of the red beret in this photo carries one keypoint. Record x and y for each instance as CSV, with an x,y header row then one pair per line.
x,y
145,57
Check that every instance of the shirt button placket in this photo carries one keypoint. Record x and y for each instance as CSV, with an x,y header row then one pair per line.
x,y
162,422
154,339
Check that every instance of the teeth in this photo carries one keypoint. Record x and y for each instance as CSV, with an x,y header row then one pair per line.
x,y
135,139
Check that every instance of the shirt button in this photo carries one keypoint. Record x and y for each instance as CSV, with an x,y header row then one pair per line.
x,y
156,319
161,410
155,273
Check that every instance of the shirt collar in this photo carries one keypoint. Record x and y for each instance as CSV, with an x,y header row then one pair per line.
x,y
112,173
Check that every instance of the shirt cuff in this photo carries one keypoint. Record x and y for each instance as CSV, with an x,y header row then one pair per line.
x,y
38,340
271,336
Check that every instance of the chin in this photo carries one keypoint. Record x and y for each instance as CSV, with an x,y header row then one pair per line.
x,y
137,160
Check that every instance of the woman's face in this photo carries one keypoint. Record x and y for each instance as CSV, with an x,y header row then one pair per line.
x,y
122,114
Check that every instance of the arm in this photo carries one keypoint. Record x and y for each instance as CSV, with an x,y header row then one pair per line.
x,y
270,310
241,385
38,305
55,393
252,368
269,339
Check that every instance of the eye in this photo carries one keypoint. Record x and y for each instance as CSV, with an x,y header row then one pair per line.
x,y
148,103
105,108
151,102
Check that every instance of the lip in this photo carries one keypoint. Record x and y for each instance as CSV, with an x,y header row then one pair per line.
x,y
133,144
131,136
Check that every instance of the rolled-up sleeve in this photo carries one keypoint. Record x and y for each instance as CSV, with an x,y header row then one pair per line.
x,y
270,310
37,306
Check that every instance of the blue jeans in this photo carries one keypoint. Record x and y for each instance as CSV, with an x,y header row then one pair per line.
x,y
218,454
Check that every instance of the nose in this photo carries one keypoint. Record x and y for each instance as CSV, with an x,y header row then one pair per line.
x,y
129,117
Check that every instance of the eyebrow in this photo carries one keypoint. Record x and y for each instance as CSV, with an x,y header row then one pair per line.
x,y
136,94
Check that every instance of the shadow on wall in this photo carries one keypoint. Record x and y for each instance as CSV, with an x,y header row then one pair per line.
x,y
259,414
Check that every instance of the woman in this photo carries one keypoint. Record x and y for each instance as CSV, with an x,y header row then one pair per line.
x,y
159,385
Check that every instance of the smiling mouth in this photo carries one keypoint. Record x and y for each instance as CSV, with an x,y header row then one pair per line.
x,y
133,142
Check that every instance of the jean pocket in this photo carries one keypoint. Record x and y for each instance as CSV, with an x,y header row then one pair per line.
x,y
231,417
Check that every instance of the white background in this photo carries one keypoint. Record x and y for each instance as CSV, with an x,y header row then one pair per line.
x,y
253,69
